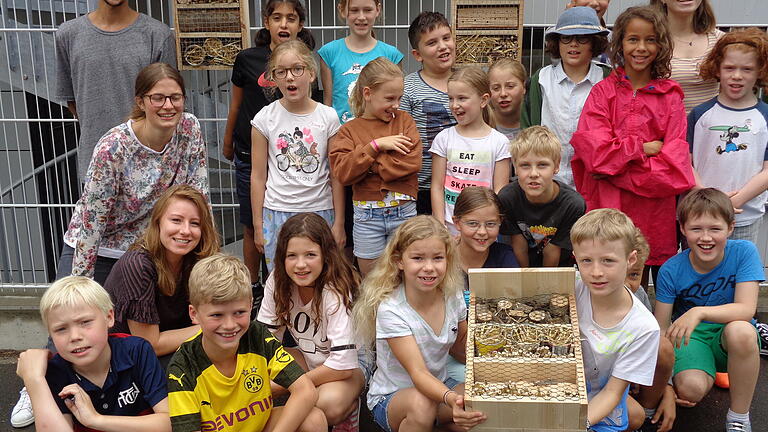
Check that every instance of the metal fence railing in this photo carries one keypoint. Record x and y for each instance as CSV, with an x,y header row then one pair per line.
x,y
38,136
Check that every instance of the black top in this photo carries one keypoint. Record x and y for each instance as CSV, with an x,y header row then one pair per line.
x,y
541,224
250,65
132,284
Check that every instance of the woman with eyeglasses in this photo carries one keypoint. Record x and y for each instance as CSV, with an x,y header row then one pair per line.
x,y
132,165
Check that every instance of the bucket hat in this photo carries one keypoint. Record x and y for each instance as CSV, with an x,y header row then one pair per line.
x,y
578,20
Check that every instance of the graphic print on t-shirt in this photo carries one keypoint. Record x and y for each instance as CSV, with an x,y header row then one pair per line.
x,y
297,150
537,236
354,70
465,168
729,134
304,332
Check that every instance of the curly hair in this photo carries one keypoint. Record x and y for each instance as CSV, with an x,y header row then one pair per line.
x,y
703,19
661,65
386,277
337,274
749,40
599,45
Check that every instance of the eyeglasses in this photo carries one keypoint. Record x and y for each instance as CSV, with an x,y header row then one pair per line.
x,y
582,40
158,99
296,71
474,225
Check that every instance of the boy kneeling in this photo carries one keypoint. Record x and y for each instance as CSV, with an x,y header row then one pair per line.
x,y
96,381
221,377
620,338
710,291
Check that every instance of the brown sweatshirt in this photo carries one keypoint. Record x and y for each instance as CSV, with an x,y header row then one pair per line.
x,y
372,174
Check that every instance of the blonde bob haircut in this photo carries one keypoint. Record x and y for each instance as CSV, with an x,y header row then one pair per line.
x,y
218,279
536,140
72,291
374,74
604,225
386,277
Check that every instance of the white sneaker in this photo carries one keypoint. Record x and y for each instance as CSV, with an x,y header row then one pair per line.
x,y
22,414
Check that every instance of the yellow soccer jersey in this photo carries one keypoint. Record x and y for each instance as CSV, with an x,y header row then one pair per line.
x,y
202,399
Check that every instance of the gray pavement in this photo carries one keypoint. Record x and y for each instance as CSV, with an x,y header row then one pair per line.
x,y
708,416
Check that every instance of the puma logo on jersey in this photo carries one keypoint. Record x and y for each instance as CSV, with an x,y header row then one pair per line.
x,y
204,403
173,377
271,338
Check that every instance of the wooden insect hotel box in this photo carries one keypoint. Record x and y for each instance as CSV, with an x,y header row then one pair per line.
x,y
210,33
487,30
524,365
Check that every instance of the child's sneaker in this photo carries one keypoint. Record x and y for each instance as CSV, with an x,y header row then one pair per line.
x,y
762,331
722,380
737,426
22,414
351,423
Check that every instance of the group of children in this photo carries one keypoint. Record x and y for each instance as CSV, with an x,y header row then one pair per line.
x,y
609,143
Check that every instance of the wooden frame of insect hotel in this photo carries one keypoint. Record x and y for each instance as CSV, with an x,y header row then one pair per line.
x,y
524,365
487,30
210,33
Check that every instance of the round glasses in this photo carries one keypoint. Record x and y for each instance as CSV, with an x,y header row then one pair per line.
x,y
581,39
158,99
281,73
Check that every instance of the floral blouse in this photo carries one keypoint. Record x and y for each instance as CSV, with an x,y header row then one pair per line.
x,y
124,180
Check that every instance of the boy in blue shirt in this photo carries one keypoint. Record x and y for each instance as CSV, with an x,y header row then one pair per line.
x,y
710,293
96,381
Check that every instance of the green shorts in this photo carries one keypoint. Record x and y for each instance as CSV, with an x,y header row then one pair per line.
x,y
704,351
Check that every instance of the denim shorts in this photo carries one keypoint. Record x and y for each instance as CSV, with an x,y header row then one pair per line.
x,y
243,187
272,221
374,226
380,415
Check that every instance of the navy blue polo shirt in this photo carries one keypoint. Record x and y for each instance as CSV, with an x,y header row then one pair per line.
x,y
135,383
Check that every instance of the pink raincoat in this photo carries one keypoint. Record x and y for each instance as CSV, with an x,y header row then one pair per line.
x,y
610,168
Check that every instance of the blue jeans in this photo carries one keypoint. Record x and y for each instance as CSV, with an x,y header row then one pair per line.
x,y
374,226
100,272
273,220
380,414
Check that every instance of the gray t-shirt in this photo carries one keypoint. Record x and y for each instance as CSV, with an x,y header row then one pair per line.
x,y
97,69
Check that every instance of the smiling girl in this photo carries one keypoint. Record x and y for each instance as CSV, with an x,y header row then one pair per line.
x,y
342,60
411,306
630,147
149,283
471,153
289,152
310,294
379,154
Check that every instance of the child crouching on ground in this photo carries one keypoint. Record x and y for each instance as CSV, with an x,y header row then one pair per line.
x,y
619,336
222,376
119,372
710,293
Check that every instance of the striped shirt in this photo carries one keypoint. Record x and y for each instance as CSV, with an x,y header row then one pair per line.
x,y
430,109
686,72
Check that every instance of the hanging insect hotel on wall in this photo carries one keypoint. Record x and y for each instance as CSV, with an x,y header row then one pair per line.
x,y
524,365
210,33
487,30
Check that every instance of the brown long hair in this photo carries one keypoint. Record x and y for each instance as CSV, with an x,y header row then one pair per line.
x,y
150,241
337,275
148,78
661,65
704,20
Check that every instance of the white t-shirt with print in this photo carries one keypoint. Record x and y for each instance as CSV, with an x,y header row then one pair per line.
x,y
329,342
298,170
626,351
396,318
469,162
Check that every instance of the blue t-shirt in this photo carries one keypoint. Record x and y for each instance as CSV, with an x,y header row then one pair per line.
x,y
135,383
345,67
681,285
